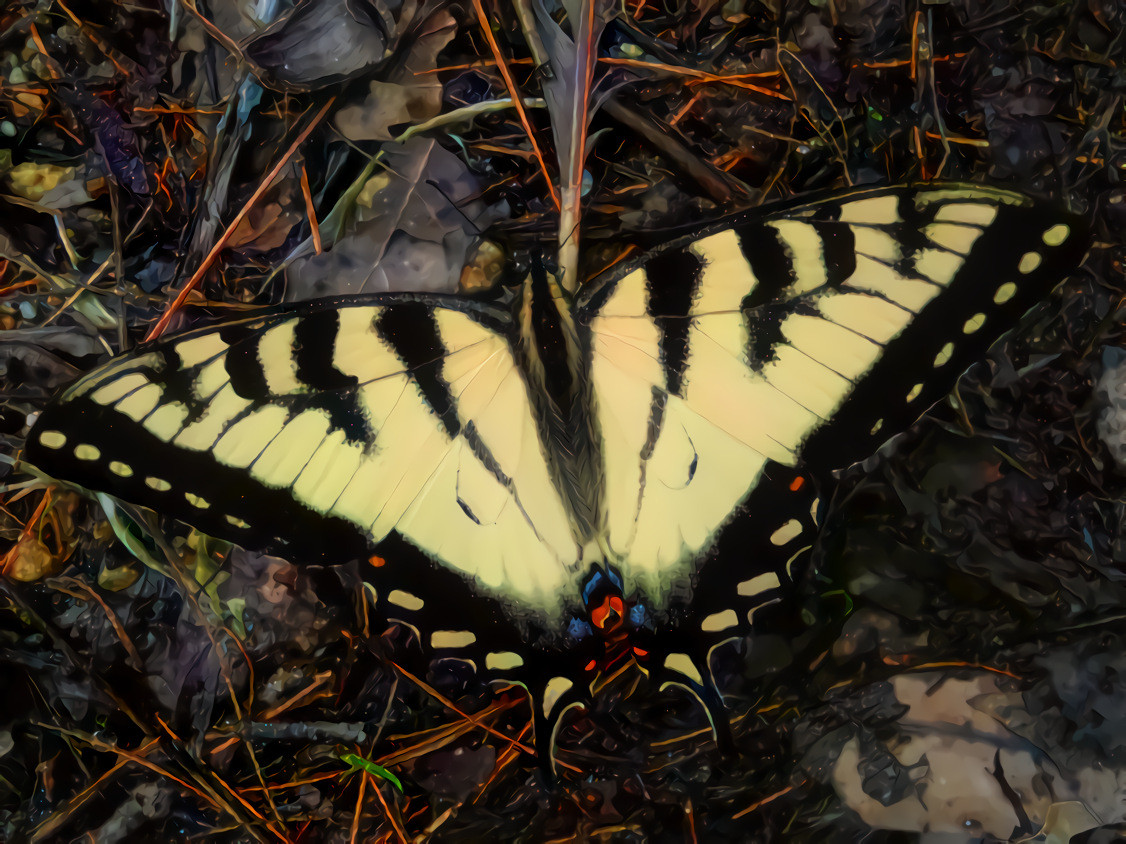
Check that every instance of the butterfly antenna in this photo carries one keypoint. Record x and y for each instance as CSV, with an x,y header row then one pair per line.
x,y
453,204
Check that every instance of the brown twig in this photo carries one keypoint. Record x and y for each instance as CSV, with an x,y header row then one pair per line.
x,y
219,245
84,588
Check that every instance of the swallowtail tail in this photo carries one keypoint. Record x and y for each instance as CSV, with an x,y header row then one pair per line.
x,y
537,479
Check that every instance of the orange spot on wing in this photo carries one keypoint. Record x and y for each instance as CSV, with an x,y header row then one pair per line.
x,y
641,652
797,483
377,561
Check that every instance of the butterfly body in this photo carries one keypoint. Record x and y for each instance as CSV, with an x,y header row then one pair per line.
x,y
542,481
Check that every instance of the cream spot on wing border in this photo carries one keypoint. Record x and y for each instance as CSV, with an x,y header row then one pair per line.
x,y
1005,292
974,324
1056,235
452,639
52,439
85,451
502,661
944,355
785,533
719,621
1029,261
406,600
758,584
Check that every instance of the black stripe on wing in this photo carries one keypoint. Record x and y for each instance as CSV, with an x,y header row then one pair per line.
x,y
330,390
245,372
411,330
839,250
770,259
672,279
238,508
986,297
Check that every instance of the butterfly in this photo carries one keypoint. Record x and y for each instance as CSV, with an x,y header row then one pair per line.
x,y
538,481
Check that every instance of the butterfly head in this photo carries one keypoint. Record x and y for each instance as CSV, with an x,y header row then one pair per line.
x,y
605,602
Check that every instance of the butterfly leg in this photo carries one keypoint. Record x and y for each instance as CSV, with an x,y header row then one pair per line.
x,y
550,699
692,672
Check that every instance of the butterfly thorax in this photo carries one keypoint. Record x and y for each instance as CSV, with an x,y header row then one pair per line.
x,y
553,363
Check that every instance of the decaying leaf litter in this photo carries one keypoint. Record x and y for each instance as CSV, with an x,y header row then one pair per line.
x,y
163,166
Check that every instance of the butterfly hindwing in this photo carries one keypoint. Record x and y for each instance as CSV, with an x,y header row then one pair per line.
x,y
453,620
750,572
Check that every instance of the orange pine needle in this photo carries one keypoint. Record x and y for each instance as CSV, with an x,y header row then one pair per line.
x,y
310,209
517,97
402,835
684,109
915,46
449,704
6,290
49,63
926,666
506,756
763,802
359,809
95,39
81,588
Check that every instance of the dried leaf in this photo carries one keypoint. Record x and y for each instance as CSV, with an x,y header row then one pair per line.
x,y
29,560
322,43
412,231
410,94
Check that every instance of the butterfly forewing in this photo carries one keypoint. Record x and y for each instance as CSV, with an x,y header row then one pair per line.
x,y
802,338
319,434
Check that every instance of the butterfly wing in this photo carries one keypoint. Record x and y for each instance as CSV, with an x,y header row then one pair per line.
x,y
398,427
802,338
320,433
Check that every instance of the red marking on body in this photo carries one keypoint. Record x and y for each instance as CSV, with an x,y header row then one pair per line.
x,y
797,483
611,605
598,615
